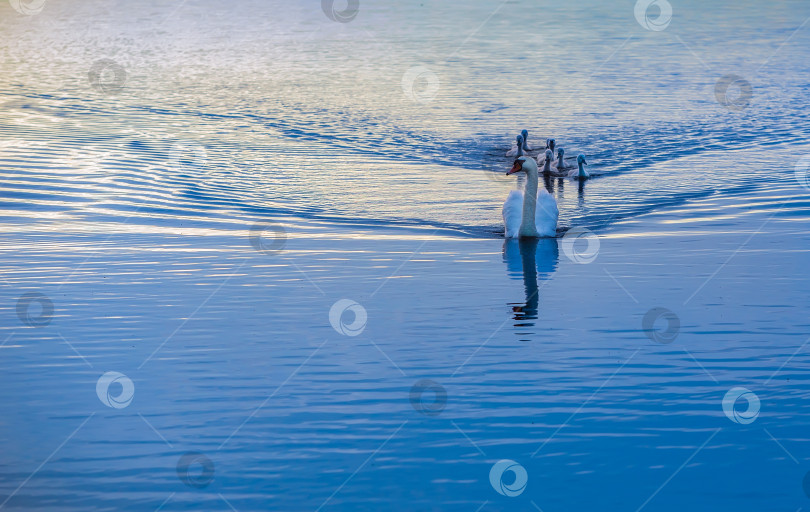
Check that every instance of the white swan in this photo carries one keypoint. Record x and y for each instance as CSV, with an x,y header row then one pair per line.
x,y
526,146
581,173
525,213
517,149
545,161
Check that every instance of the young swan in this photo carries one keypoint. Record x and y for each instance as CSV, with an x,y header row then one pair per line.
x,y
548,156
517,149
527,214
560,163
550,144
580,174
525,134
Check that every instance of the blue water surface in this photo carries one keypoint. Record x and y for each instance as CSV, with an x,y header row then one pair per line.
x,y
253,256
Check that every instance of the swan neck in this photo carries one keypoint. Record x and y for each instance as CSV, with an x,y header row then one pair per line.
x,y
528,226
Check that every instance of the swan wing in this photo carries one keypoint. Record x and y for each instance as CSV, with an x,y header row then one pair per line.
x,y
513,213
546,214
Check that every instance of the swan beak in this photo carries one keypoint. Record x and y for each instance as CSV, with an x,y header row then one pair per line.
x,y
516,167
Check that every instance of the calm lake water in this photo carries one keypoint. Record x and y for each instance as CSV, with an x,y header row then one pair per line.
x,y
252,257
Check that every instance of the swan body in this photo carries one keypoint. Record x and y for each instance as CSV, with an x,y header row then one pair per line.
x,y
517,149
525,134
527,213
581,173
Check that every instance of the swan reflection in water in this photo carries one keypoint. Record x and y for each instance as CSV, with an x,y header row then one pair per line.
x,y
530,259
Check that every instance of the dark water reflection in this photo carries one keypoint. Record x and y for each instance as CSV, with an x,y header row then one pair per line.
x,y
530,259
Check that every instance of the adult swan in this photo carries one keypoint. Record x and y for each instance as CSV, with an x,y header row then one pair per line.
x,y
525,213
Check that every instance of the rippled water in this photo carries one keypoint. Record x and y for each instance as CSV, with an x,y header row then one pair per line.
x,y
195,213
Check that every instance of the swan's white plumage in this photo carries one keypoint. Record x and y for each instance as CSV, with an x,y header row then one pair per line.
x,y
545,216
513,213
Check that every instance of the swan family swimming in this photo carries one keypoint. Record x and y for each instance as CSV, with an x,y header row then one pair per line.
x,y
533,213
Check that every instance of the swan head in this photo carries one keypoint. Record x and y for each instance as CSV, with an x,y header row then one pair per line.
x,y
581,159
560,152
519,140
523,164
549,155
525,134
550,143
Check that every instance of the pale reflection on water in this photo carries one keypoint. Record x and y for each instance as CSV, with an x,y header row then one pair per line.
x,y
534,260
